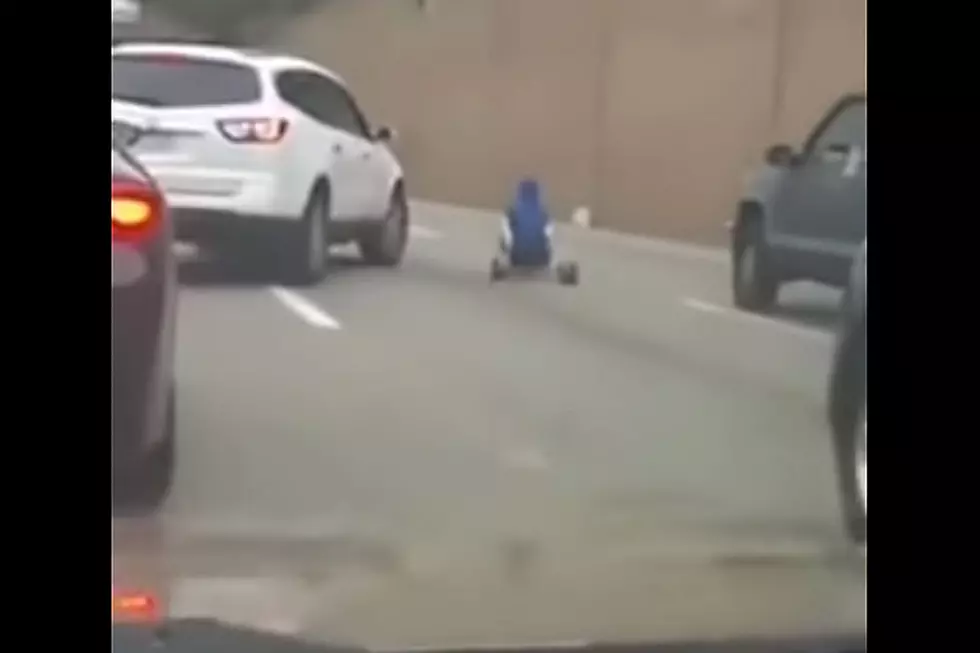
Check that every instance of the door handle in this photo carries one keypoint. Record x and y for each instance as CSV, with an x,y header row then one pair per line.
x,y
836,153
829,157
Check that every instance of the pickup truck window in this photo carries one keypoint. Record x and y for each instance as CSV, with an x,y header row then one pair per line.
x,y
848,127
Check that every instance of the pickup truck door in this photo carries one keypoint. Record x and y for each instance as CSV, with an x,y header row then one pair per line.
x,y
819,210
839,212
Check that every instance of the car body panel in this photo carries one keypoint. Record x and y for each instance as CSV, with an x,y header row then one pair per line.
x,y
144,297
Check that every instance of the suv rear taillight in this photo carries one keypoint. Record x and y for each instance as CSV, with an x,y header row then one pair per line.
x,y
254,130
136,209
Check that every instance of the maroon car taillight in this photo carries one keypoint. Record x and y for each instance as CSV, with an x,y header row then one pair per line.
x,y
136,210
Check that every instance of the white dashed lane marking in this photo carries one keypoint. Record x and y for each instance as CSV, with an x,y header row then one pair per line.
x,y
702,306
305,309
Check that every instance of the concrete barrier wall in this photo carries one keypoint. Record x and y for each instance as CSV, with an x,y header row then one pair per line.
x,y
649,111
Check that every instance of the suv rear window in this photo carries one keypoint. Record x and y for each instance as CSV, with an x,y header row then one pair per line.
x,y
180,81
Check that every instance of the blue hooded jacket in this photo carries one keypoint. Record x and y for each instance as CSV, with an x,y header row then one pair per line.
x,y
528,220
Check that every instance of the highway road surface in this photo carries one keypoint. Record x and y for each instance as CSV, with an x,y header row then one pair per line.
x,y
413,456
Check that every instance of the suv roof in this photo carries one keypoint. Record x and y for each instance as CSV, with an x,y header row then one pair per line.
x,y
222,51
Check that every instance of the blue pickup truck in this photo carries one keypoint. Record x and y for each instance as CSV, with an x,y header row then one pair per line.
x,y
803,214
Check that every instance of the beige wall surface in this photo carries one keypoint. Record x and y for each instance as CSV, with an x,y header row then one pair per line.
x,y
648,111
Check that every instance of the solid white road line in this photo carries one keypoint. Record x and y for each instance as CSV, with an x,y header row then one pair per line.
x,y
305,309
707,307
660,246
669,247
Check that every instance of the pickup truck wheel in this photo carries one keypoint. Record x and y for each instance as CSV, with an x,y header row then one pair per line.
x,y
852,466
755,285
384,244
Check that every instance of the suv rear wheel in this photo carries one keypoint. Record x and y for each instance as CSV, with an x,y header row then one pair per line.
x,y
307,252
852,469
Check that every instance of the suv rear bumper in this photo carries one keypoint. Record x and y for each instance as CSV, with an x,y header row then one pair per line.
x,y
234,192
219,227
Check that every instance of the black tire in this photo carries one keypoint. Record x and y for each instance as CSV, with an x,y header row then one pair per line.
x,y
385,243
307,253
849,447
568,274
153,480
755,284
497,270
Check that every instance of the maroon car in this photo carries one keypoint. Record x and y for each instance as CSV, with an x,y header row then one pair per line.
x,y
144,293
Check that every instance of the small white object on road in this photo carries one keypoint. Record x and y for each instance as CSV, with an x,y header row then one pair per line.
x,y
749,318
582,217
305,309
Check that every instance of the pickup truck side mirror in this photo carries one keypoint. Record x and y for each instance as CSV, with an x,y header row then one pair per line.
x,y
384,134
781,155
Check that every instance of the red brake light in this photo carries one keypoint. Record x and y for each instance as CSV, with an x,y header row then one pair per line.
x,y
136,210
134,607
254,130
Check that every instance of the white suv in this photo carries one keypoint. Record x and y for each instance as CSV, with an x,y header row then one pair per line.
x,y
261,150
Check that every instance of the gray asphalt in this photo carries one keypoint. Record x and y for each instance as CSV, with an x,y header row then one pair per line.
x,y
457,462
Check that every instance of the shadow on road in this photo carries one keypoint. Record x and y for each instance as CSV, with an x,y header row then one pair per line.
x,y
814,316
204,270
